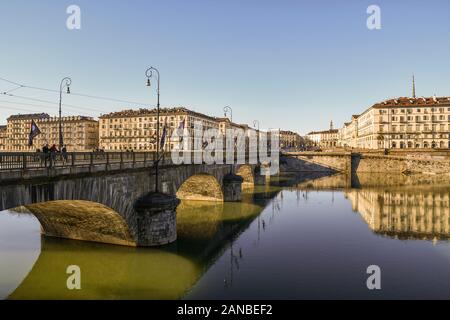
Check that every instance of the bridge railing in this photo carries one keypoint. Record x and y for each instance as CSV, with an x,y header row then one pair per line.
x,y
27,161
22,161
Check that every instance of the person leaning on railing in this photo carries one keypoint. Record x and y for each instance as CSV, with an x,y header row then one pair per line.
x,y
46,154
64,154
53,151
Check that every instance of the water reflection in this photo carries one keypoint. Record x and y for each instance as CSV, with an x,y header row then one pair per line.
x,y
405,214
114,272
396,205
295,239
108,272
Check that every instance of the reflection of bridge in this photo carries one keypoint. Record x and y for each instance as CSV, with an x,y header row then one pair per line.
x,y
93,196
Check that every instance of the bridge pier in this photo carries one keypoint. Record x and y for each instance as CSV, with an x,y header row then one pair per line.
x,y
232,188
262,175
156,219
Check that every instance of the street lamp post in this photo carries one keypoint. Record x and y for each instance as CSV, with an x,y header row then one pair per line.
x,y
150,73
256,124
154,206
65,83
227,110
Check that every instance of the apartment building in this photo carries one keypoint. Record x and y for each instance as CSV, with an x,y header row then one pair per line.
x,y
289,139
324,139
136,129
2,138
401,123
347,134
80,133
226,124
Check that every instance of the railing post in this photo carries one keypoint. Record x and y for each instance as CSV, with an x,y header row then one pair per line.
x,y
91,158
107,158
73,158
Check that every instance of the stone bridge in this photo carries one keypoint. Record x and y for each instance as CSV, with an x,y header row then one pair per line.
x,y
99,200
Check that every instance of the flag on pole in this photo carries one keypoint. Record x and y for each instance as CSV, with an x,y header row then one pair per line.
x,y
34,132
182,124
181,130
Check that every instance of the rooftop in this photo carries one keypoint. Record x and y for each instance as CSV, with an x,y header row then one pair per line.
x,y
325,131
29,116
69,118
408,102
152,112
288,132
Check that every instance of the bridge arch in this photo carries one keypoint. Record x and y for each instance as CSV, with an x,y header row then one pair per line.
x,y
201,187
82,220
247,173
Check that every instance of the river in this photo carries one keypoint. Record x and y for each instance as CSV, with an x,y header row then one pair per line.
x,y
300,238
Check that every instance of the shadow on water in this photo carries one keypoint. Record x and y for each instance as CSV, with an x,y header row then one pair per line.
x,y
204,230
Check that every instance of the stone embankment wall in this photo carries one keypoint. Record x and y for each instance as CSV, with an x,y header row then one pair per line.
x,y
409,163
315,162
347,162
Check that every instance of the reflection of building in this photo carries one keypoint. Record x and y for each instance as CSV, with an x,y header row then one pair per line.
x,y
2,138
136,129
324,139
404,214
80,133
289,139
402,123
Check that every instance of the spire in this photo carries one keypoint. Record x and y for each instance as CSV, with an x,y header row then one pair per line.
x,y
413,87
331,125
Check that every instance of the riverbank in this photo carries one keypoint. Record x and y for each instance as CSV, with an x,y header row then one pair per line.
x,y
366,162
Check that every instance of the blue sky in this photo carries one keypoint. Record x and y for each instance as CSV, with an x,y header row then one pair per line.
x,y
289,64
